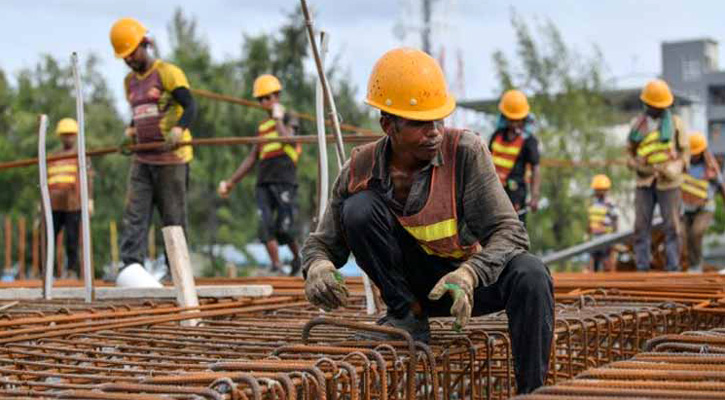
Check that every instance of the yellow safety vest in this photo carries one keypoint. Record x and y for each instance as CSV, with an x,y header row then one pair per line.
x,y
694,191
654,150
268,129
599,221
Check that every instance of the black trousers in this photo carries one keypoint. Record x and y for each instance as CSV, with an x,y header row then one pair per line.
x,y
405,274
162,186
69,222
277,207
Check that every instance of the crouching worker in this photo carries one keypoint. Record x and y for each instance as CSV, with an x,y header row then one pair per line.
x,y
424,214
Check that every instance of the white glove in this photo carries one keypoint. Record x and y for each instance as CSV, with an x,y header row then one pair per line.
x,y
224,189
277,111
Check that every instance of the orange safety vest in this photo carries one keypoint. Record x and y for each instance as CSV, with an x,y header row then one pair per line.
x,y
505,155
654,150
268,129
435,226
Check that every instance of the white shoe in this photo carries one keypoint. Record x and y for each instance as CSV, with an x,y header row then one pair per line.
x,y
136,276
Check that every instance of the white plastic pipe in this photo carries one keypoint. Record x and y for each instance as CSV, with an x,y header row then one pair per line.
x,y
83,173
47,212
321,140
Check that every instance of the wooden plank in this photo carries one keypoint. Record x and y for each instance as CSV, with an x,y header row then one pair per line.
x,y
108,293
8,245
21,248
113,237
35,267
180,265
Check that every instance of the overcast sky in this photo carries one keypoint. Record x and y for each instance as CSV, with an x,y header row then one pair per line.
x,y
628,32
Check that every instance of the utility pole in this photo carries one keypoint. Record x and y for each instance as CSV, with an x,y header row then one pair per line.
x,y
426,29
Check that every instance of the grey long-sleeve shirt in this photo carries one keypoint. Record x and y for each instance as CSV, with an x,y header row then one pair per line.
x,y
484,211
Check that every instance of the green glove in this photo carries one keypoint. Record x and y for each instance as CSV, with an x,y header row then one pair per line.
x,y
125,144
459,284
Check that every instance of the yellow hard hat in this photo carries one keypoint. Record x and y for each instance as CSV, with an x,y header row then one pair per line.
x,y
66,126
410,84
266,84
698,143
656,93
513,105
601,182
126,35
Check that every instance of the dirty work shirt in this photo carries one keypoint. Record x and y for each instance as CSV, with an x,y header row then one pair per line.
x,y
485,213
155,111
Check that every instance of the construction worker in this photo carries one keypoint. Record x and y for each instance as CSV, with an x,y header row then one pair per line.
x,y
163,109
659,153
65,195
515,152
276,189
426,218
699,185
603,220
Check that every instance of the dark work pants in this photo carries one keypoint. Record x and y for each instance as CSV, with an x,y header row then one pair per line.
x,y
645,199
405,274
276,205
163,186
69,222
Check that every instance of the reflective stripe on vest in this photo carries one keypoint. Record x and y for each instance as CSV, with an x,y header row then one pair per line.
x,y
437,231
504,155
598,219
64,172
694,191
654,150
275,149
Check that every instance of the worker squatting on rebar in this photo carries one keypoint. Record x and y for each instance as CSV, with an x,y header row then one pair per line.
x,y
276,189
163,109
424,214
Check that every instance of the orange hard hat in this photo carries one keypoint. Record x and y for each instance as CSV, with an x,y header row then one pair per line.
x,y
513,105
410,84
266,84
656,93
601,182
698,143
126,35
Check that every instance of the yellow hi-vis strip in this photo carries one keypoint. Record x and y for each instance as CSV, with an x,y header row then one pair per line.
x,y
433,232
60,169
696,187
503,162
61,179
267,125
458,254
510,150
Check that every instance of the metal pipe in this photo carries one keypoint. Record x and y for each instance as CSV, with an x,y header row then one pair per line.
x,y
323,177
45,197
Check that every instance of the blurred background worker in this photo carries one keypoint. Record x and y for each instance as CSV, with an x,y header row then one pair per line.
x,y
515,152
65,194
276,190
602,220
659,153
163,109
698,195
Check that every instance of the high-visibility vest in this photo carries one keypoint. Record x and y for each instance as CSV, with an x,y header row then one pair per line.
x,y
600,221
435,226
63,174
268,129
505,155
654,150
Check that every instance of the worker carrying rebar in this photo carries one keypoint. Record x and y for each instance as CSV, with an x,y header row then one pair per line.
x,y
659,153
515,152
603,220
424,214
276,189
163,109
65,197
699,186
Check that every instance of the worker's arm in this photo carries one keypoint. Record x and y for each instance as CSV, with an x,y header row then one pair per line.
x,y
487,211
183,96
244,167
683,143
328,241
715,166
281,125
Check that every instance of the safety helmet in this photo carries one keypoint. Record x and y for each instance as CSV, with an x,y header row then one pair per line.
x,y
513,105
656,93
698,143
126,35
266,84
410,84
66,126
601,182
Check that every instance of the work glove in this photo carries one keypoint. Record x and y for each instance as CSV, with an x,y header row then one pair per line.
x,y
277,111
324,286
125,144
459,284
224,188
173,138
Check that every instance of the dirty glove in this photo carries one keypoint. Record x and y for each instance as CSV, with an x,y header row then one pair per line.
x,y
277,111
459,284
173,138
324,286
224,189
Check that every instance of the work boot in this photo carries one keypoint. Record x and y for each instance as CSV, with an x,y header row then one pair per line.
x,y
418,327
295,267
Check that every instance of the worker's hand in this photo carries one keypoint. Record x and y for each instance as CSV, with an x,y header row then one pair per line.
x,y
173,138
459,284
125,143
671,170
130,132
324,286
534,204
225,187
277,111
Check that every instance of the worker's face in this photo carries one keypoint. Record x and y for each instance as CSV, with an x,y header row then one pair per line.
x,y
269,100
69,141
600,193
516,124
138,59
422,139
654,112
696,158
